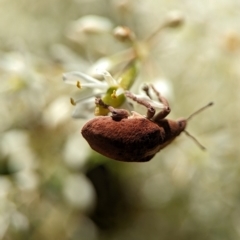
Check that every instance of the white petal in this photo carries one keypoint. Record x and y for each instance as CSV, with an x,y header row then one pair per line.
x,y
85,104
108,77
102,64
119,91
74,77
84,109
94,85
88,93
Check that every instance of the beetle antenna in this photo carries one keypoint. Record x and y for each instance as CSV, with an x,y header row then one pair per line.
x,y
192,115
195,140
199,110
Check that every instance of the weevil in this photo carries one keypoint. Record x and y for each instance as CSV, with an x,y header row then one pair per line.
x,y
135,138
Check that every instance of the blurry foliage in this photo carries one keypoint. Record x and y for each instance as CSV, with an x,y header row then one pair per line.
x,y
52,186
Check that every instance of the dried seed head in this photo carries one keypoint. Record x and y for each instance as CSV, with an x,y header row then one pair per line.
x,y
123,33
174,19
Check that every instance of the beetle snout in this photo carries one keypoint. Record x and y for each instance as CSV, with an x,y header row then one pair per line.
x,y
182,123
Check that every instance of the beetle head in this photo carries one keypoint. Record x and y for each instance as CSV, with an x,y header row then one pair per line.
x,y
182,124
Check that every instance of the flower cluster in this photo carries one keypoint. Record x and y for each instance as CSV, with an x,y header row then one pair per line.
x,y
110,90
124,63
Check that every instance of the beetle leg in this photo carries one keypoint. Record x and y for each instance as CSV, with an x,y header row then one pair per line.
x,y
146,90
164,101
117,114
99,101
150,108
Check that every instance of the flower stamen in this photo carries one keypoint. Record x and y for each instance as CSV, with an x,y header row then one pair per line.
x,y
72,102
114,95
79,85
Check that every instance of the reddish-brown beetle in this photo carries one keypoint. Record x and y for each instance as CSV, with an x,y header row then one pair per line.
x,y
134,138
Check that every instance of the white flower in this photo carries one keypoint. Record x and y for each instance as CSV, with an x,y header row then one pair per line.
x,y
109,90
92,87
92,24
80,29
